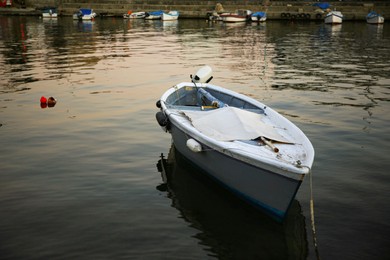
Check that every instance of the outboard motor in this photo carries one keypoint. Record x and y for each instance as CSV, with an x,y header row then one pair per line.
x,y
203,75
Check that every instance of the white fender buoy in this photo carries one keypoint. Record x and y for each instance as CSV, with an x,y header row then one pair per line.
x,y
194,145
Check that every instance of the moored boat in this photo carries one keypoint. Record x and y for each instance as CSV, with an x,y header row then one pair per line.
x,y
241,143
49,12
84,14
259,17
155,15
170,16
334,17
239,16
374,18
135,15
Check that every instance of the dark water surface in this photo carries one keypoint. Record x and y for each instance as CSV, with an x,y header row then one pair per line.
x,y
80,180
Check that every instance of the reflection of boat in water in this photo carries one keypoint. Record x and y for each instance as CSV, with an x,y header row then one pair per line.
x,y
85,26
333,30
167,25
375,32
227,227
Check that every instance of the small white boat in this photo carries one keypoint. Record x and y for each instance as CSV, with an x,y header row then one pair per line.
x,y
135,15
155,15
84,14
239,16
259,17
241,143
374,18
334,17
171,16
49,13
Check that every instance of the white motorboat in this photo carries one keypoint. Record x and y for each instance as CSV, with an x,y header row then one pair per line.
x,y
334,17
170,16
239,16
135,15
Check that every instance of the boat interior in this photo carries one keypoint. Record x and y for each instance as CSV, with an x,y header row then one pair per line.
x,y
205,98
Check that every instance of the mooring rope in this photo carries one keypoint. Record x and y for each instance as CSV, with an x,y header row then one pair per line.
x,y
313,226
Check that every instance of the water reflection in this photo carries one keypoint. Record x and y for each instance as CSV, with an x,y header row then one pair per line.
x,y
333,29
228,228
375,31
84,26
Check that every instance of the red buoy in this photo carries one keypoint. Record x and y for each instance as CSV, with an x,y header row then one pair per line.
x,y
43,100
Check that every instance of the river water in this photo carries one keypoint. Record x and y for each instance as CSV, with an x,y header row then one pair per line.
x,y
80,180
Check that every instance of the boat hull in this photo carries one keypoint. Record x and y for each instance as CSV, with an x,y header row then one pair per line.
x,y
253,184
209,126
49,15
258,19
84,14
84,17
233,18
239,16
137,15
153,17
334,18
171,16
375,20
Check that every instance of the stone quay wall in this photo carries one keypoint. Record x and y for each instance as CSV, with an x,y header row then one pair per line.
x,y
352,10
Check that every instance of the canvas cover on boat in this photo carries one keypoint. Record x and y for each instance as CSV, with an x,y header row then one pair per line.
x,y
85,11
231,123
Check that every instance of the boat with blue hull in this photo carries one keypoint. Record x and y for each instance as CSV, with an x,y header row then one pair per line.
x,y
259,17
247,147
155,15
374,18
84,14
